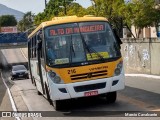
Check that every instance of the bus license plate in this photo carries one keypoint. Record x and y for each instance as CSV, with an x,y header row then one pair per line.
x,y
91,93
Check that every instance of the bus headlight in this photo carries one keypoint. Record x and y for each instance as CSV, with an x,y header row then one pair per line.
x,y
51,74
118,69
55,78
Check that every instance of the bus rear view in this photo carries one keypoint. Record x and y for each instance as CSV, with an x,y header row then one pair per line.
x,y
82,58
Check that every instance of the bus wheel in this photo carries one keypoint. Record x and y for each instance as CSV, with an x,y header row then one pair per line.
x,y
111,97
57,105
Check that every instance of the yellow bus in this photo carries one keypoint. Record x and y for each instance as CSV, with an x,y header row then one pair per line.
x,y
72,57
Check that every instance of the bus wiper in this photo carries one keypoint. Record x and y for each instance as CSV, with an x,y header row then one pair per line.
x,y
99,55
89,49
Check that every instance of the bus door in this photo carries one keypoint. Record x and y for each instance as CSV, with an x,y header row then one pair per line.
x,y
40,63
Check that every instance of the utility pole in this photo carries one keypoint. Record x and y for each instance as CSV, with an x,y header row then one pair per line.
x,y
45,3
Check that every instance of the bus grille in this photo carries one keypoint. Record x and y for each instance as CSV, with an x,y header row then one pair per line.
x,y
89,75
90,87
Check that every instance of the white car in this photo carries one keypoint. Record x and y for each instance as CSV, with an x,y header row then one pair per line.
x,y
19,71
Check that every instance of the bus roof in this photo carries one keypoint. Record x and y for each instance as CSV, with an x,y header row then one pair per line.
x,y
67,19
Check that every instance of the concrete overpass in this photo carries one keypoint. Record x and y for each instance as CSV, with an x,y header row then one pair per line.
x,y
13,40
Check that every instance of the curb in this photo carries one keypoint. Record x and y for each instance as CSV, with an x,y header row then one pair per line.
x,y
143,75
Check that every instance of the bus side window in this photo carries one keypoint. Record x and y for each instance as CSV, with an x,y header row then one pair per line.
x,y
31,47
29,50
34,47
39,44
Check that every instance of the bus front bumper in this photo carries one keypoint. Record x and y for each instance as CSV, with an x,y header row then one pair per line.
x,y
79,89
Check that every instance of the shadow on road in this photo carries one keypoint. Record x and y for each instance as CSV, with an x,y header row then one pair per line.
x,y
142,95
97,106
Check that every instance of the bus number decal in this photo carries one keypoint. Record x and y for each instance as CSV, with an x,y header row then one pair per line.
x,y
72,71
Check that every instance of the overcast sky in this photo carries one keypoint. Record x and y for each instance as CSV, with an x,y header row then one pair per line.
x,y
35,6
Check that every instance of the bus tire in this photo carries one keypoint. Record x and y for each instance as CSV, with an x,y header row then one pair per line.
x,y
57,105
111,97
48,96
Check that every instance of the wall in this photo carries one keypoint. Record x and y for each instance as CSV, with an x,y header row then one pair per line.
x,y
145,32
141,55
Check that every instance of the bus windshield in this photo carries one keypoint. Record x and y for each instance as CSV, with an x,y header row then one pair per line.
x,y
80,42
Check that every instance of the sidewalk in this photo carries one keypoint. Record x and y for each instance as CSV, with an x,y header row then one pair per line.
x,y
5,104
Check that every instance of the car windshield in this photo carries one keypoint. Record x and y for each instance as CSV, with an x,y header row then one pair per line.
x,y
80,42
19,67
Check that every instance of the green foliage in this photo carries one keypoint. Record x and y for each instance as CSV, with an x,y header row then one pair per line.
x,y
7,20
90,10
140,13
53,8
75,9
26,22
109,9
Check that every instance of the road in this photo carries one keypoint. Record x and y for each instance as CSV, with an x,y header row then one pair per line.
x,y
140,94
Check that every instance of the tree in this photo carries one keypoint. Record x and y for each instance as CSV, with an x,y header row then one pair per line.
x,y
40,17
141,14
90,10
26,22
7,20
74,9
110,9
54,8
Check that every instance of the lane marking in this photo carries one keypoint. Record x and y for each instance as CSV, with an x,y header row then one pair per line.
x,y
10,97
23,54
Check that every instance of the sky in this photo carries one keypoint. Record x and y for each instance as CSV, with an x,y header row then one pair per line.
x,y
35,6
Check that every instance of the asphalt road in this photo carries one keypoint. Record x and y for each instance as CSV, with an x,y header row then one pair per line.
x,y
140,94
